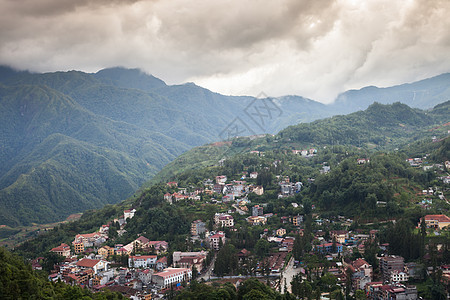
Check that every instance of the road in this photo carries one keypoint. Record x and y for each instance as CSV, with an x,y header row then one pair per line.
x,y
206,275
288,274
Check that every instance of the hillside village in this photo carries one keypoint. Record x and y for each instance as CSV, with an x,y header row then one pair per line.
x,y
289,249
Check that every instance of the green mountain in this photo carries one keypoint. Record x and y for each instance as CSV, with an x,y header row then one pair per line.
x,y
422,94
378,128
58,158
71,141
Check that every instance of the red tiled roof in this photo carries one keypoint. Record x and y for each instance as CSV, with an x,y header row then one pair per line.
x,y
87,263
162,260
439,218
359,263
143,239
217,235
62,247
171,271
143,257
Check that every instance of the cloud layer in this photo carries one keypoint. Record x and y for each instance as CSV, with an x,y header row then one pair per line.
x,y
306,47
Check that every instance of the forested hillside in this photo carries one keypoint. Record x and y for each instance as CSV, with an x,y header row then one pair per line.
x,y
72,141
379,128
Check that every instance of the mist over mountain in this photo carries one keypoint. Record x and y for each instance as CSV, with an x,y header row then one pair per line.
x,y
71,141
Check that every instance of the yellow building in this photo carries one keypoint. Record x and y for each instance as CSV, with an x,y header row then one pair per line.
x,y
437,221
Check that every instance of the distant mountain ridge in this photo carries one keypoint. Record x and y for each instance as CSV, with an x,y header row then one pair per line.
x,y
73,140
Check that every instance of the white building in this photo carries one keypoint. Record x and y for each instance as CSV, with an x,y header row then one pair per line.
x,y
215,240
171,276
142,261
128,214
398,277
224,220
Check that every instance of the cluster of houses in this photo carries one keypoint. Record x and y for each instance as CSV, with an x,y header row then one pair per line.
x,y
306,152
144,271
228,191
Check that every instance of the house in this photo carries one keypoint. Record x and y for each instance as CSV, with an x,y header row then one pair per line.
x,y
362,161
243,254
172,184
96,265
142,261
221,179
129,213
257,211
389,264
62,250
339,235
297,220
158,246
362,273
254,175
437,221
104,229
90,239
397,277
215,239
328,248
78,247
105,251
281,232
161,263
259,220
145,276
171,276
258,190
224,220
189,259
198,227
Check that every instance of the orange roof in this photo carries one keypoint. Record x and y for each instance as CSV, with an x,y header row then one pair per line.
x,y
162,259
87,263
62,247
88,235
359,263
439,218
143,256
172,271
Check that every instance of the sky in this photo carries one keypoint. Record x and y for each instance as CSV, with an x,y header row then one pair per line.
x,y
313,48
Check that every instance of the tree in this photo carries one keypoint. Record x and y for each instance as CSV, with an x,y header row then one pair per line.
x,y
194,272
262,248
360,295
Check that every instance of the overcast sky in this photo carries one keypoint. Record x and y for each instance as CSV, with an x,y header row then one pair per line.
x,y
313,48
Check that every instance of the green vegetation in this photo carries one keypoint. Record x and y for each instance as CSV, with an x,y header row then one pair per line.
x,y
72,141
18,281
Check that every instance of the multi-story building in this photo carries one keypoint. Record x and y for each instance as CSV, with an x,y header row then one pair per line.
x,y
297,220
189,259
78,247
142,261
97,265
328,248
437,221
223,220
260,220
63,250
171,276
215,240
257,211
198,227
339,235
389,264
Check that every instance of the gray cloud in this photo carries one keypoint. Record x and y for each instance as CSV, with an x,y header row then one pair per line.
x,y
308,47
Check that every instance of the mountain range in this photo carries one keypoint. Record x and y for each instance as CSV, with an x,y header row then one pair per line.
x,y
71,141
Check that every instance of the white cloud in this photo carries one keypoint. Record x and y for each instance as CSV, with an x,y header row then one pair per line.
x,y
307,47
